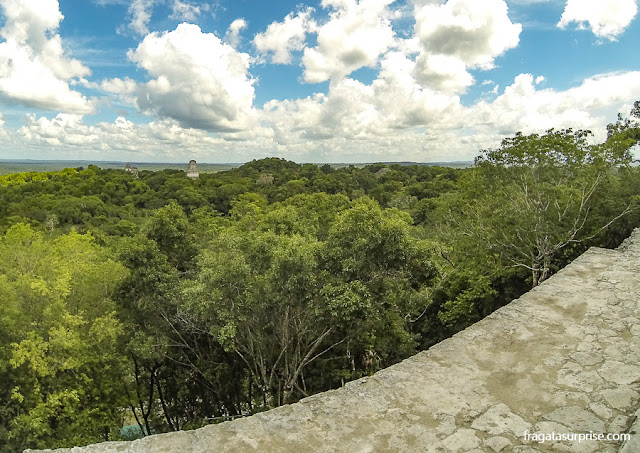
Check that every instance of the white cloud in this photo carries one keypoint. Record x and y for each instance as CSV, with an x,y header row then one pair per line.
x,y
196,79
396,112
140,11
405,102
28,22
393,118
69,136
392,105
282,38
443,72
201,92
69,131
34,69
184,11
3,132
475,32
458,35
357,33
64,128
117,85
124,89
233,34
607,19
524,108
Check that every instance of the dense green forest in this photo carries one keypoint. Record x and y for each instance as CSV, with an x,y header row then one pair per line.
x,y
168,303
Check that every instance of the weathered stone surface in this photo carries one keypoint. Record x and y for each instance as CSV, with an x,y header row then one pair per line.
x,y
461,440
633,445
577,419
497,443
587,358
621,398
563,358
500,420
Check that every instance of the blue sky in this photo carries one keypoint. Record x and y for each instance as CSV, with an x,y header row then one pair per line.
x,y
321,81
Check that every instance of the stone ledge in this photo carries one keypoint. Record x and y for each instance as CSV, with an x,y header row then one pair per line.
x,y
563,358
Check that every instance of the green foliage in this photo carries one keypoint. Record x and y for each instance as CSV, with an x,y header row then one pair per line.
x,y
534,196
161,302
524,211
471,299
169,229
26,177
56,314
281,297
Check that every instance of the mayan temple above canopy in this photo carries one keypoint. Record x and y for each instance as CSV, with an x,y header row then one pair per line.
x,y
192,171
133,170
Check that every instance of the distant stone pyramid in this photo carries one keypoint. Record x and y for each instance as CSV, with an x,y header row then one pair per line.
x,y
133,170
192,171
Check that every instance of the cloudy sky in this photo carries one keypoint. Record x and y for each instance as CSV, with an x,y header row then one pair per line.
x,y
319,81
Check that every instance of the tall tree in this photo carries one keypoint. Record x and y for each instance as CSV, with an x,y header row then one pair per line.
x,y
536,195
64,340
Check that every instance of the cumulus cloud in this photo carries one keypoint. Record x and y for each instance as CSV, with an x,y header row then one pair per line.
x,y
117,85
3,132
64,128
122,139
523,107
68,131
140,11
405,102
197,80
443,72
282,38
357,33
124,89
607,19
475,32
458,35
394,117
184,11
34,69
419,123
233,34
351,110
199,86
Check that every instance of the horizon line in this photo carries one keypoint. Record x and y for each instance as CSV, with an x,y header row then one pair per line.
x,y
230,163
